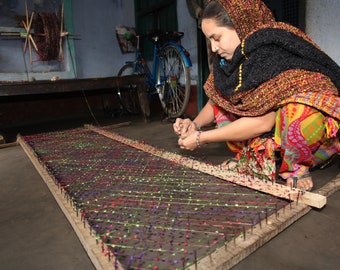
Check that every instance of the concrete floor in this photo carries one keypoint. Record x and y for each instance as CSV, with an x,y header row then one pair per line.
x,y
36,235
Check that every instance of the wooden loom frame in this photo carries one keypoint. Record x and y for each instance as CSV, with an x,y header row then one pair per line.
x,y
222,258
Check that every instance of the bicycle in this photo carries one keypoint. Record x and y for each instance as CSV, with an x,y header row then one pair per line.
x,y
169,77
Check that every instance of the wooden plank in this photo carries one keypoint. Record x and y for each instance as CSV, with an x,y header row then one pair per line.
x,y
69,85
5,145
331,187
123,124
76,85
237,250
275,189
253,239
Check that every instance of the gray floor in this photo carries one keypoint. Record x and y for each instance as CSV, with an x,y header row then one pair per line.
x,y
36,235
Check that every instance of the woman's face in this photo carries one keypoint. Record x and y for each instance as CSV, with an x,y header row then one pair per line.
x,y
224,39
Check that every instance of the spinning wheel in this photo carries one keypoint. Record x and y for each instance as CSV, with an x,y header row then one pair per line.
x,y
44,32
28,36
62,34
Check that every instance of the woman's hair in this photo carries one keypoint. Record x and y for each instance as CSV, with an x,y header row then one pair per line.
x,y
216,11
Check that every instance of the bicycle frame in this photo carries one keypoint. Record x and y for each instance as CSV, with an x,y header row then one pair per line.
x,y
169,77
141,66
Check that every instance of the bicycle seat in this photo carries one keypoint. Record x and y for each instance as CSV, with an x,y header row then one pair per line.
x,y
162,37
174,35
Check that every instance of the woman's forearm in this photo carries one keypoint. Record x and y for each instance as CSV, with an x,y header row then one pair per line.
x,y
242,129
206,115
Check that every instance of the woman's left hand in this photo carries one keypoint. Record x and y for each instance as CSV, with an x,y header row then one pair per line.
x,y
188,142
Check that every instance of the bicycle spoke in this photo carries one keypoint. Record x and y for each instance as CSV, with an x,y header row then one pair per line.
x,y
174,95
171,80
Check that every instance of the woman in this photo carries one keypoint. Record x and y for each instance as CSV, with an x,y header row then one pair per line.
x,y
273,94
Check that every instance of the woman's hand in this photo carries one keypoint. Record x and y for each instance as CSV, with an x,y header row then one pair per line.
x,y
190,142
187,130
183,127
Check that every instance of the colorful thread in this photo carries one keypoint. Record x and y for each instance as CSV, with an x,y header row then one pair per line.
x,y
147,212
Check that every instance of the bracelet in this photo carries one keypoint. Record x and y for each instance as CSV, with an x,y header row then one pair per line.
x,y
197,126
198,138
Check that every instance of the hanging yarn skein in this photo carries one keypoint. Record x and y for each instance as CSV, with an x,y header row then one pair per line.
x,y
47,36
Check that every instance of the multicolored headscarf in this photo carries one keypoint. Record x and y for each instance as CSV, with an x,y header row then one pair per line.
x,y
275,64
247,15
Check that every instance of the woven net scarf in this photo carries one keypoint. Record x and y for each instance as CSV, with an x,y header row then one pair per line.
x,y
150,213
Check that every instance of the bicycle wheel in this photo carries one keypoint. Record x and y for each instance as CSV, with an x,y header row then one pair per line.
x,y
128,96
173,79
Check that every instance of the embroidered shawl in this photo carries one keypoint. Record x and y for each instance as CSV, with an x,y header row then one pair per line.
x,y
275,64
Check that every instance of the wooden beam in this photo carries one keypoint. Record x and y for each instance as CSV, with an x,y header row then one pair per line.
x,y
5,145
238,249
69,85
123,124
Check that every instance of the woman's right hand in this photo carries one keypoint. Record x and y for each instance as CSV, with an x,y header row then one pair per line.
x,y
182,126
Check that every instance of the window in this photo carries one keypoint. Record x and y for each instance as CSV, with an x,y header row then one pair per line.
x,y
289,11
